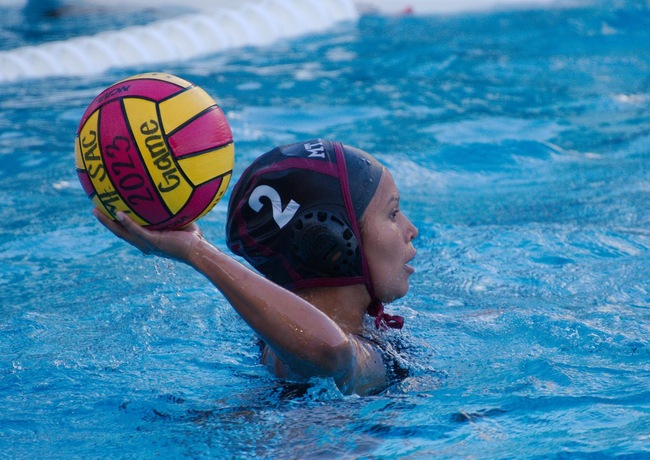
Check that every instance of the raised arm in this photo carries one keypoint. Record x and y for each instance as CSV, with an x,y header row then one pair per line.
x,y
302,336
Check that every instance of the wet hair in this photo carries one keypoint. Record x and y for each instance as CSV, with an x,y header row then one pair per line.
x,y
294,216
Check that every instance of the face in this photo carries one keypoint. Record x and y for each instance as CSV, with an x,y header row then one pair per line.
x,y
387,241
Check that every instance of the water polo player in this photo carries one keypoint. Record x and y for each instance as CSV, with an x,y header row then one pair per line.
x,y
321,221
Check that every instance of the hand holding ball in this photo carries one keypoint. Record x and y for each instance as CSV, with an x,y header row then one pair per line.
x,y
157,148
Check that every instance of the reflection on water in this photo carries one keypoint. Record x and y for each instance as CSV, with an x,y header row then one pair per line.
x,y
521,155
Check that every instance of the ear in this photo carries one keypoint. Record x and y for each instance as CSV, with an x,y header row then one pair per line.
x,y
325,243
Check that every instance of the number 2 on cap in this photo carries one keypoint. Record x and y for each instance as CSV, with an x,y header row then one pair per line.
x,y
280,216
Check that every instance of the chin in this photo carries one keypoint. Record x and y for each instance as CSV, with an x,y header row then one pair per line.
x,y
392,291
394,296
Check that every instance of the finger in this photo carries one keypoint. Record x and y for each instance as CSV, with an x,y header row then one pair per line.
x,y
110,224
131,225
146,240
122,232
134,228
192,228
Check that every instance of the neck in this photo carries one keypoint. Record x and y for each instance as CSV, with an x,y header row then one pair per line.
x,y
345,305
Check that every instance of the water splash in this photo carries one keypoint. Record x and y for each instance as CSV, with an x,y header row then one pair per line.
x,y
189,36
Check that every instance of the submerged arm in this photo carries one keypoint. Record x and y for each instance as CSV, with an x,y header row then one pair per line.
x,y
302,336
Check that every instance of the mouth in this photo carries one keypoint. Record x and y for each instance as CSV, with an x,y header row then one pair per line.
x,y
409,269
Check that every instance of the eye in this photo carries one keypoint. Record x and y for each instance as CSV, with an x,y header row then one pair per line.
x,y
393,215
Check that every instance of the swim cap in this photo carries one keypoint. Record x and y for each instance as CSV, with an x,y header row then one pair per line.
x,y
294,213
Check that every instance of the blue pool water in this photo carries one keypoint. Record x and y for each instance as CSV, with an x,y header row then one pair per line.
x,y
520,141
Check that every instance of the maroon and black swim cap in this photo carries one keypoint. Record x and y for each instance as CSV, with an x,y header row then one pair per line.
x,y
294,214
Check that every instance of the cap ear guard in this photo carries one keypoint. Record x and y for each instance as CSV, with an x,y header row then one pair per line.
x,y
324,243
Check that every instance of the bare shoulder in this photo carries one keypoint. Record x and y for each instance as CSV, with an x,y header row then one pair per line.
x,y
366,374
369,373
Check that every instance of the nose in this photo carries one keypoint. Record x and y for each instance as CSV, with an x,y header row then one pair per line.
x,y
412,230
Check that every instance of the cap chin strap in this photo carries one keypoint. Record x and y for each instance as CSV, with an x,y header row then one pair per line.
x,y
376,308
384,320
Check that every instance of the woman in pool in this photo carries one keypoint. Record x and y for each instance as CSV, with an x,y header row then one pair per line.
x,y
321,221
